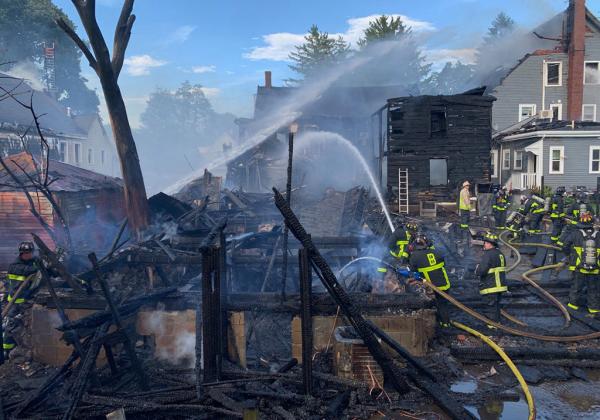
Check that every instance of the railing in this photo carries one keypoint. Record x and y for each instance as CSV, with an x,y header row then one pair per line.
x,y
525,181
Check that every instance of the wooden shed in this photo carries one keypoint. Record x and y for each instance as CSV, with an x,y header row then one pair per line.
x,y
92,205
431,144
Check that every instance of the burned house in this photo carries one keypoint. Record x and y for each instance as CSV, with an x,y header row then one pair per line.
x,y
431,144
344,110
91,204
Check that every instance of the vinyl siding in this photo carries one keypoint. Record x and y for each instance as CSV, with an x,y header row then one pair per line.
x,y
591,93
576,163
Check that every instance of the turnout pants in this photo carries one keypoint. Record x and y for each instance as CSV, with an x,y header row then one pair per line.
x,y
492,305
585,289
535,224
465,216
557,227
443,309
500,219
17,332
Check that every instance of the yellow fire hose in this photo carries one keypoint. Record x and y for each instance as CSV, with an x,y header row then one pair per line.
x,y
509,363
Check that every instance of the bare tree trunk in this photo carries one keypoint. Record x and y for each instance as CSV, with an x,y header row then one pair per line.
x,y
108,72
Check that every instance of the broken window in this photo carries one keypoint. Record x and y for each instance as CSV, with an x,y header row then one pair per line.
x,y
438,123
396,121
592,73
438,172
553,74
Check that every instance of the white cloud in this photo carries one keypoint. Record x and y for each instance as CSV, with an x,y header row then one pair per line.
x,y
204,69
443,55
211,92
179,35
279,45
140,65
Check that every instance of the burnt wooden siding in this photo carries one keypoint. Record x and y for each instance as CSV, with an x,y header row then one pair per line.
x,y
17,223
456,128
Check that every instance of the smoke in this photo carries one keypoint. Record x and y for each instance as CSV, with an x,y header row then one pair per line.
x,y
28,71
174,344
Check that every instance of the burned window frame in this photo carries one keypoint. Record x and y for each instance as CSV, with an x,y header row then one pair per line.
x,y
442,130
558,76
396,114
585,73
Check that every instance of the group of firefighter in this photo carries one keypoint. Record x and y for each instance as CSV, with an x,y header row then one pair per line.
x,y
572,230
408,247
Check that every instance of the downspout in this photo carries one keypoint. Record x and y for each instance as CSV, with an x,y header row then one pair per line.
x,y
544,75
541,169
500,165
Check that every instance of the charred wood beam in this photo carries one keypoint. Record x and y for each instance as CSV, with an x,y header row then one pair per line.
x,y
213,235
211,315
51,257
306,320
148,258
288,200
350,311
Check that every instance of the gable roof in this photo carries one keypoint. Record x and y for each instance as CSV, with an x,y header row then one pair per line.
x,y
52,115
67,178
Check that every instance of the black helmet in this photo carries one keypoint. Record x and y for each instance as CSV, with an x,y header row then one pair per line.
x,y
560,190
422,240
26,247
490,237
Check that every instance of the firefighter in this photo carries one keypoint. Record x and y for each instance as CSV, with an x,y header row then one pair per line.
x,y
500,208
464,205
534,208
430,265
17,322
492,275
557,213
398,243
582,247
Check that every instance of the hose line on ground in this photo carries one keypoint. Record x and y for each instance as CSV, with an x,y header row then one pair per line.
x,y
509,363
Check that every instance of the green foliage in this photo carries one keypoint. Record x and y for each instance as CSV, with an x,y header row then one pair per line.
x,y
318,51
384,28
501,26
451,79
25,25
546,193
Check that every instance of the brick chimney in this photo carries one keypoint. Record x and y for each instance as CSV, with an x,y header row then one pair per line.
x,y
577,26
268,83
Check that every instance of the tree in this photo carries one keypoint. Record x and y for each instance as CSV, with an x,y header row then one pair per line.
x,y
501,26
452,79
108,70
318,51
384,28
25,27
175,126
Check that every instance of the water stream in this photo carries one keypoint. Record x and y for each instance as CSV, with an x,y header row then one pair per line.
x,y
305,139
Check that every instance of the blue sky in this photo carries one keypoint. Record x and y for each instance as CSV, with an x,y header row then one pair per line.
x,y
226,45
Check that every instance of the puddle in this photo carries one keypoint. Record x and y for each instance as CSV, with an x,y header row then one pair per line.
x,y
465,387
508,410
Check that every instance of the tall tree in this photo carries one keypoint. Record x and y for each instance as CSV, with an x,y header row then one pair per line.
x,y
318,51
453,78
26,26
384,28
108,71
501,26
180,131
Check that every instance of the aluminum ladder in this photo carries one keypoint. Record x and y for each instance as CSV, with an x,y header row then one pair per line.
x,y
403,190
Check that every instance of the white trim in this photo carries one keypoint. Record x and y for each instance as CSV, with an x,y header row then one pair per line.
x,y
550,133
494,159
533,111
592,148
584,66
583,111
506,153
546,73
559,106
561,169
520,167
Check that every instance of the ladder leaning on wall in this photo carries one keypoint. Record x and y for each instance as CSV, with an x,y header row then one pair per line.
x,y
403,190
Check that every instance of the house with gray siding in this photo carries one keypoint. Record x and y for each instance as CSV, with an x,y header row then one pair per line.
x,y
561,81
549,154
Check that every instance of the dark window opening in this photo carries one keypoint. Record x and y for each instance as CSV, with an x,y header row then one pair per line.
x,y
438,123
553,76
555,116
438,172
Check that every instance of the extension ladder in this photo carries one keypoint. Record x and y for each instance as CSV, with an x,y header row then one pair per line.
x,y
403,190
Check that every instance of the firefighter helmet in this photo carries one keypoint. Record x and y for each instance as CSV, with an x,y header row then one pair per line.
x,y
586,217
490,238
25,247
411,226
422,240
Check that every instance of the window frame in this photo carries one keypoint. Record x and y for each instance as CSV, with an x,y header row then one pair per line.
x,y
592,148
520,167
504,159
90,156
533,109
561,170
494,163
546,84
75,160
445,160
560,109
102,157
585,63
583,111
66,143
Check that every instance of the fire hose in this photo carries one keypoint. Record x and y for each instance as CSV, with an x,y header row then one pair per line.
x,y
507,360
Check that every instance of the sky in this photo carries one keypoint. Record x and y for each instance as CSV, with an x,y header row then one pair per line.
x,y
227,45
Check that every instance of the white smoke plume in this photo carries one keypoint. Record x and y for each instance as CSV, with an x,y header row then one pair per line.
x,y
174,345
29,72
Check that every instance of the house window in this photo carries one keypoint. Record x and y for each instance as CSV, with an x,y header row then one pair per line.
x,y
506,159
588,112
595,159
102,157
438,123
77,149
592,73
557,158
494,164
62,151
90,156
556,112
554,74
526,111
438,172
518,159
